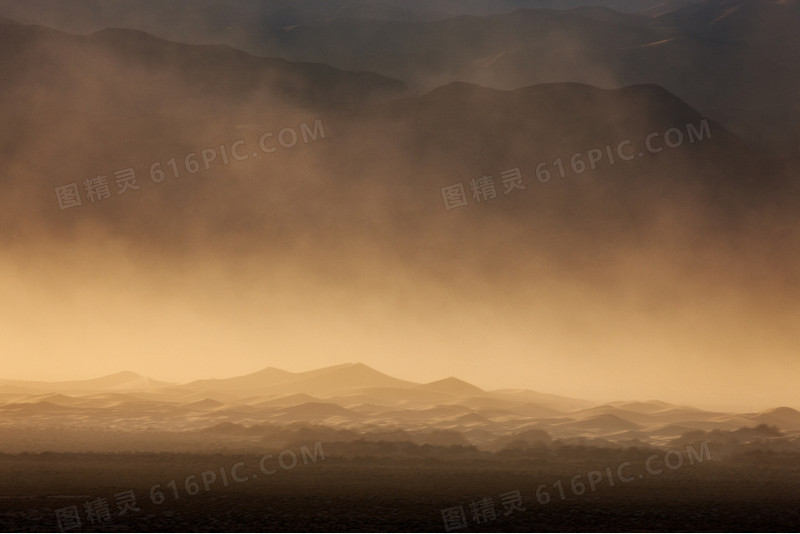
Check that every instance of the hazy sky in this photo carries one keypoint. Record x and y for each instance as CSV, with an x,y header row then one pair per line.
x,y
340,251
77,316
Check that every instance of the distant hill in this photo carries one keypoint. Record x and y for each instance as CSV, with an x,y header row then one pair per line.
x,y
313,411
722,56
453,386
265,377
726,58
232,22
607,410
783,417
652,406
353,402
605,423
329,380
199,71
426,142
125,380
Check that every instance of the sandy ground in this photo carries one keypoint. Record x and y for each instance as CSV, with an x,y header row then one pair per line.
x,y
757,492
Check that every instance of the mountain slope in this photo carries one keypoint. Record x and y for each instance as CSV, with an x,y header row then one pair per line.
x,y
125,380
265,377
725,57
499,420
234,22
453,386
783,417
325,381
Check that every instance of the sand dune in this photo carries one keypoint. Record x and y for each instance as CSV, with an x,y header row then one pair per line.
x,y
452,386
782,417
365,402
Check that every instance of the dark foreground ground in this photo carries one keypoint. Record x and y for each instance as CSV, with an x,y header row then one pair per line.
x,y
757,492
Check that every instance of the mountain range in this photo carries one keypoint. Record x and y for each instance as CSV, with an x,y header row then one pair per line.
x,y
356,399
426,141
205,20
406,100
720,56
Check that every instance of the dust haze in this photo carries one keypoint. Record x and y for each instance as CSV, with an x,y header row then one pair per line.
x,y
285,270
